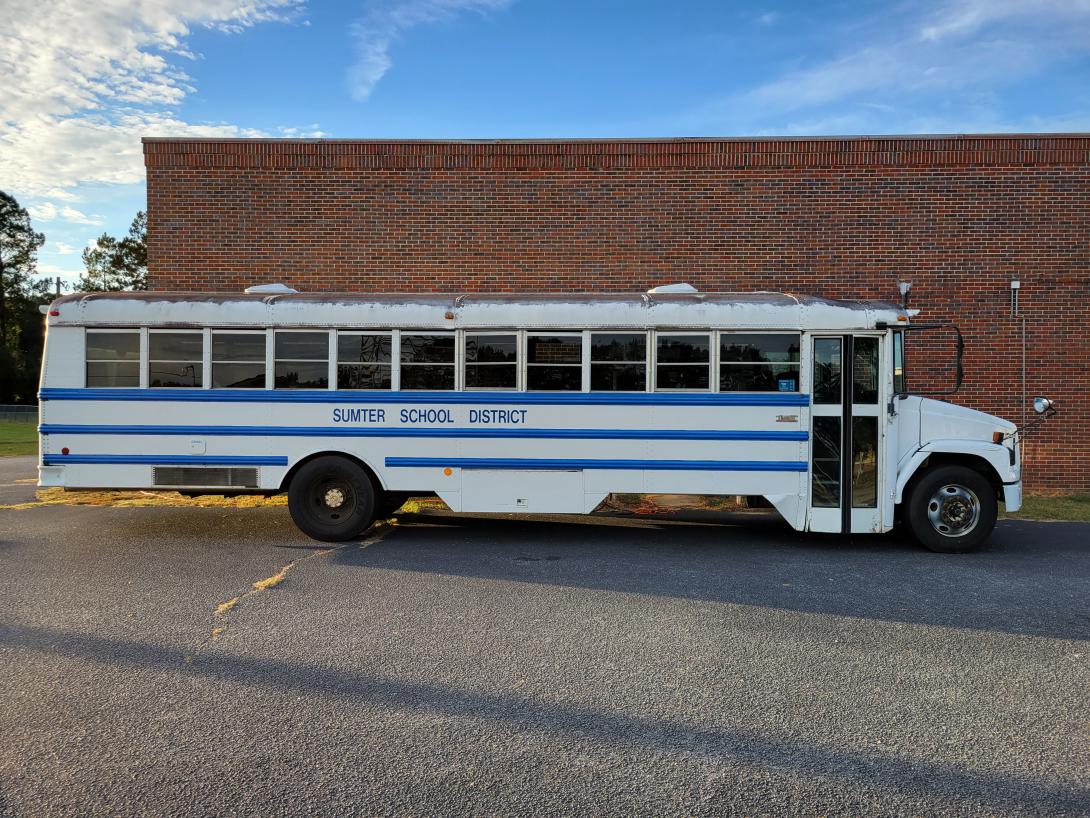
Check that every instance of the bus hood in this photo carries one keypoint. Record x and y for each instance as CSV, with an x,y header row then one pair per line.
x,y
939,419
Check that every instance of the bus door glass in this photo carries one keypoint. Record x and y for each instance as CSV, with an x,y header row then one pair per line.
x,y
845,433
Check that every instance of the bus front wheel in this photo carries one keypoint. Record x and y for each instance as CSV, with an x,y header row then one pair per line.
x,y
951,509
331,499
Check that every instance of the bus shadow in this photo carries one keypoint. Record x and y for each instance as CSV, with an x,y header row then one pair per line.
x,y
855,767
1030,579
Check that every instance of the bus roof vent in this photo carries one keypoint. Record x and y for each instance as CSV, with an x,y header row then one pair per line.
x,y
673,288
270,289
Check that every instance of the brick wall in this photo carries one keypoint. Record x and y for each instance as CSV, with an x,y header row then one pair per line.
x,y
958,216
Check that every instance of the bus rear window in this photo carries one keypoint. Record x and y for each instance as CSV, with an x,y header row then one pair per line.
x,y
113,358
427,362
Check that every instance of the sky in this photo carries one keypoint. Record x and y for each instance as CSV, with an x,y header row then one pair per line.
x,y
82,80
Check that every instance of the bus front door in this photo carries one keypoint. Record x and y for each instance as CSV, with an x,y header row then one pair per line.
x,y
845,433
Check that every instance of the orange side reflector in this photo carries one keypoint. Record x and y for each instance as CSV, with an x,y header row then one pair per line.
x,y
997,437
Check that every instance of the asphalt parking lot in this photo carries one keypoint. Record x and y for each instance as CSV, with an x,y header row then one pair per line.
x,y
456,665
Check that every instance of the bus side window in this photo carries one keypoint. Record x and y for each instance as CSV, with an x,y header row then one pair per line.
x,y
865,370
427,361
113,358
554,362
683,361
176,358
618,361
238,360
899,383
759,362
302,360
491,361
364,360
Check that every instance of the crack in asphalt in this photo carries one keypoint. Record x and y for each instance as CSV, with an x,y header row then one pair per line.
x,y
376,533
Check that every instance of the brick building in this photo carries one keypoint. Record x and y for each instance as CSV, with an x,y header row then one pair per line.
x,y
960,217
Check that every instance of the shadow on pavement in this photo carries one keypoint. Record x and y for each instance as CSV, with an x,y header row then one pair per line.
x,y
1030,579
869,768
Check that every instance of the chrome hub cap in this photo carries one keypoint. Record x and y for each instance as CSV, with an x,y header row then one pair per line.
x,y
334,498
953,511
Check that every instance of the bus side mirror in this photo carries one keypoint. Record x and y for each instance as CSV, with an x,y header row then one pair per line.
x,y
1042,405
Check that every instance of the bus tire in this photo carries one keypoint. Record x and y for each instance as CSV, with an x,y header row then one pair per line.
x,y
951,509
331,499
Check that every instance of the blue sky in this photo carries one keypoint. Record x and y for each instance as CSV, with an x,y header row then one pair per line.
x,y
81,82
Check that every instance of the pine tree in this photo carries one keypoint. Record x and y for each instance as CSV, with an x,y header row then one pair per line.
x,y
118,264
20,295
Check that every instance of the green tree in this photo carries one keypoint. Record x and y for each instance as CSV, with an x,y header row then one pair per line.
x,y
118,264
21,326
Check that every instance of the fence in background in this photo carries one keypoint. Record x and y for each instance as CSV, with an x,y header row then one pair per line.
x,y
22,414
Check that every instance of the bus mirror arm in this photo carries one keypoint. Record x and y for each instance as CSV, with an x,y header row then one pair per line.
x,y
1044,408
959,363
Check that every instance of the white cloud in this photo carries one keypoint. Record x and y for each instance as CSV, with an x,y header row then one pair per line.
x,y
44,212
62,195
55,270
769,18
310,132
935,70
964,17
386,21
63,249
47,212
70,214
83,81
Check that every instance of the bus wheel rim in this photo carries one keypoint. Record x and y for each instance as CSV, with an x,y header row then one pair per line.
x,y
332,501
953,510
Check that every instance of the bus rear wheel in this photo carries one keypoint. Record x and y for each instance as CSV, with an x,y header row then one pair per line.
x,y
331,499
951,509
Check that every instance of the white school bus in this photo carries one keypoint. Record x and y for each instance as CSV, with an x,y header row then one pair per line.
x,y
517,403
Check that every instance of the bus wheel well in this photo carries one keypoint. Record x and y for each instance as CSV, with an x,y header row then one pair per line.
x,y
303,461
974,462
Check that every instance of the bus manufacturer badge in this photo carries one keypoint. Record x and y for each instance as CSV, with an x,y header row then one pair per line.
x,y
787,418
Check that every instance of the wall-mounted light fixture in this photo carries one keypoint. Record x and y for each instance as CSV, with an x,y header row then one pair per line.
x,y
904,287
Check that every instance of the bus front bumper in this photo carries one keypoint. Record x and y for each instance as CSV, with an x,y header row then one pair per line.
x,y
1012,496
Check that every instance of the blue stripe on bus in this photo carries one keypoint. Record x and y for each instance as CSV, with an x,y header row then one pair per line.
x,y
534,463
408,431
161,460
506,398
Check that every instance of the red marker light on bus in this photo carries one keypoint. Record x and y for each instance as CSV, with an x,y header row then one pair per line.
x,y
54,312
64,450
